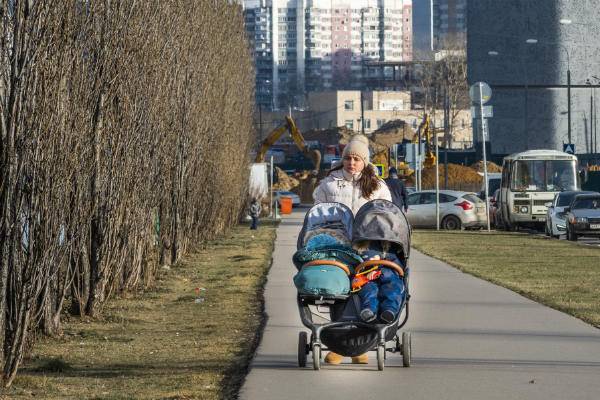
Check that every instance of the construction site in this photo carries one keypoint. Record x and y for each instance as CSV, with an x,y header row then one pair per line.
x,y
301,160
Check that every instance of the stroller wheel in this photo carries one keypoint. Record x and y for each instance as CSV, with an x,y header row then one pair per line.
x,y
316,354
406,349
380,357
302,349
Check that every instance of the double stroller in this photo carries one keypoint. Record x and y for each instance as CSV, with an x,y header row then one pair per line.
x,y
326,304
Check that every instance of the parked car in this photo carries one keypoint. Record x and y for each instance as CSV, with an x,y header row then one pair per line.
x,y
457,210
555,216
278,194
583,216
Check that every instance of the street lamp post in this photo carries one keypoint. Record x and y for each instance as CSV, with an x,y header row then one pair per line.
x,y
566,21
587,82
534,41
568,97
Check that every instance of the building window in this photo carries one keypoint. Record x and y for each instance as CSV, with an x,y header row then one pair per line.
x,y
349,106
367,124
380,123
349,124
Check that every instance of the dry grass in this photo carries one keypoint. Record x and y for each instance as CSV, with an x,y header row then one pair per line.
x,y
162,344
560,274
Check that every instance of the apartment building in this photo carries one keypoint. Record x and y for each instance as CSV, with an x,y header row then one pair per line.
x,y
343,108
304,46
448,21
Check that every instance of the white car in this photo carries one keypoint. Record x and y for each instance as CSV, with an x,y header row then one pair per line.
x,y
457,210
555,216
283,193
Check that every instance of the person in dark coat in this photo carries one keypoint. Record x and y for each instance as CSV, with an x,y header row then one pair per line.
x,y
398,190
255,210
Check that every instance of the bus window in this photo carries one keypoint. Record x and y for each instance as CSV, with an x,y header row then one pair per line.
x,y
544,175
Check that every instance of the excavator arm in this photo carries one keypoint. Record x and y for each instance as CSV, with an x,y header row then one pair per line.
x,y
426,132
290,126
269,141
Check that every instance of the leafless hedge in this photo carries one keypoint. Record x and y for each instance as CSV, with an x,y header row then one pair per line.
x,y
125,128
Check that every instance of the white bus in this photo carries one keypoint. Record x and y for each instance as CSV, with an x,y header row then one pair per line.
x,y
530,180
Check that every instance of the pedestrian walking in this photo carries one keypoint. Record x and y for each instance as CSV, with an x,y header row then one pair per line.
x,y
353,183
398,190
255,209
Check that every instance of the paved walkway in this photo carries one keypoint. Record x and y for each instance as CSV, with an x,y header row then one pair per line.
x,y
471,340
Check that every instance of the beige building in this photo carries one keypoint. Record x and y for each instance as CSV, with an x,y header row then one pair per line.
x,y
342,108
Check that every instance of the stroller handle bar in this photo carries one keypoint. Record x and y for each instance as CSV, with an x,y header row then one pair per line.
x,y
334,263
385,263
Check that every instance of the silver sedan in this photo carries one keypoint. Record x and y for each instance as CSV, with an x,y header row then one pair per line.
x,y
457,210
555,216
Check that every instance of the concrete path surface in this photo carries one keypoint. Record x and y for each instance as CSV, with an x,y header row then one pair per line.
x,y
470,340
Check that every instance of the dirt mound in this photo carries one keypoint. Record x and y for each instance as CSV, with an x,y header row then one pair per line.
x,y
331,136
491,167
459,177
390,133
284,181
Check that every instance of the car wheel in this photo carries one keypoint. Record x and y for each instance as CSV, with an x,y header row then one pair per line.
x,y
451,223
546,230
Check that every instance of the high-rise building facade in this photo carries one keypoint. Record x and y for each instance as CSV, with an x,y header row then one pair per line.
x,y
311,45
540,59
421,28
448,21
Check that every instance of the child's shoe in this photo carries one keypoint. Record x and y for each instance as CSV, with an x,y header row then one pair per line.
x,y
367,315
387,316
333,358
362,359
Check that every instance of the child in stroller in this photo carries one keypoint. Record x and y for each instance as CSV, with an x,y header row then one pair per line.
x,y
380,288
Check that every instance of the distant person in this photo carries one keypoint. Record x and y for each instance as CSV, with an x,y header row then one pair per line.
x,y
255,210
397,189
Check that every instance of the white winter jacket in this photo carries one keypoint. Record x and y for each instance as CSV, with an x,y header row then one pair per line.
x,y
342,187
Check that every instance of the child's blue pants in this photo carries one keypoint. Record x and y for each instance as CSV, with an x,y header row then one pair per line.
x,y
385,293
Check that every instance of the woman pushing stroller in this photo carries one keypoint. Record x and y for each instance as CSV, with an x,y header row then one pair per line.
x,y
353,184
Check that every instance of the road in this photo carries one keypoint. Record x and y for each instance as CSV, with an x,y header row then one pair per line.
x,y
471,340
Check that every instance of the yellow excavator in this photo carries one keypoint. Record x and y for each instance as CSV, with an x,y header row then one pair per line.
x,y
426,131
290,126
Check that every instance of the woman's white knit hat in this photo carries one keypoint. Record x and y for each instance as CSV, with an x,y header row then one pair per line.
x,y
358,146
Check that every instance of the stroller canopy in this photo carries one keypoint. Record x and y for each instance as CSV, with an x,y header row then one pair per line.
x,y
334,216
382,220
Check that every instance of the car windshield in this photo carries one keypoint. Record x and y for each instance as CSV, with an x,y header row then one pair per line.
x,y
565,199
544,175
587,204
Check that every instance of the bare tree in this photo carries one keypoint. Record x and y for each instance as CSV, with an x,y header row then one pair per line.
x,y
125,131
